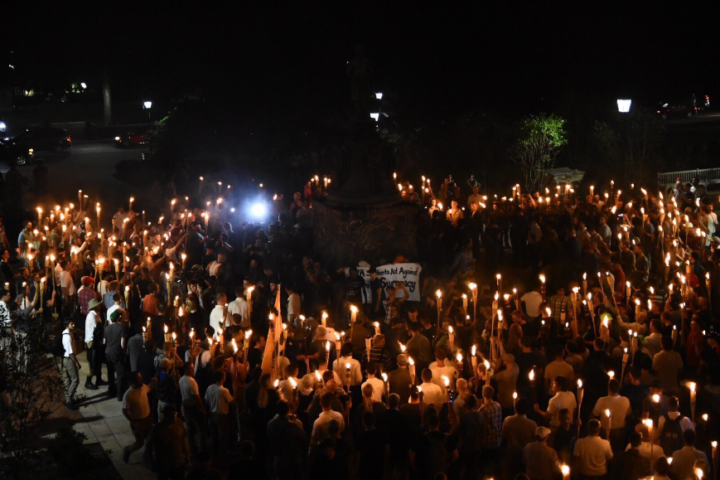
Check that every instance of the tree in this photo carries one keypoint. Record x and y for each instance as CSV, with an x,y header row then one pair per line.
x,y
629,144
539,141
30,391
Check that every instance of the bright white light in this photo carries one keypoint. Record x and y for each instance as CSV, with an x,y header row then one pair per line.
x,y
83,85
624,105
258,210
3,127
375,116
378,95
147,105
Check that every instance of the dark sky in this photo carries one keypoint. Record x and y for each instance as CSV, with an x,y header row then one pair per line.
x,y
443,56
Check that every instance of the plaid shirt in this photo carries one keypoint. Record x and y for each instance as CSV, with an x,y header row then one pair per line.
x,y
492,415
559,304
86,294
391,310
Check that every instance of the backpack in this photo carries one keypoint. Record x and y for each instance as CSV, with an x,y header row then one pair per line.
x,y
672,435
57,348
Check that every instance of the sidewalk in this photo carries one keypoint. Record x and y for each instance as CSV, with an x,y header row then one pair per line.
x,y
101,419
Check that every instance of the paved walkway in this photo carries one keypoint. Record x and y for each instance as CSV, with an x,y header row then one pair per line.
x,y
101,419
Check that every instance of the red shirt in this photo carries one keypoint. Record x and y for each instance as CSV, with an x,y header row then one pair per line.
x,y
695,339
150,304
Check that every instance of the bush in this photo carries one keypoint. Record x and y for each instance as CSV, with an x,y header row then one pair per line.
x,y
67,451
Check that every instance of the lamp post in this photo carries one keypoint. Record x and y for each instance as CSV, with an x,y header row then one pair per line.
x,y
624,105
147,105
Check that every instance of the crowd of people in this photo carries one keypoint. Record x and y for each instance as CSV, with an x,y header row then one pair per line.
x,y
558,335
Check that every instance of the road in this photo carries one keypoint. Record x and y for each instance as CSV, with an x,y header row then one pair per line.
x,y
89,167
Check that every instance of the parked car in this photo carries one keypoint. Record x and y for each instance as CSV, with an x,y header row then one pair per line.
x,y
131,139
13,153
44,139
683,108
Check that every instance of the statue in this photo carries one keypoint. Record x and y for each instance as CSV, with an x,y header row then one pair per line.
x,y
364,169
359,70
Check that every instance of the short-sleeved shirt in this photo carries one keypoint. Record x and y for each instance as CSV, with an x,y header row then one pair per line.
x,y
136,402
189,391
594,454
113,339
559,369
558,402
667,366
67,341
619,407
532,303
90,325
293,306
67,284
218,399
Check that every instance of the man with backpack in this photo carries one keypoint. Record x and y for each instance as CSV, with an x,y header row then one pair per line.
x,y
671,428
64,347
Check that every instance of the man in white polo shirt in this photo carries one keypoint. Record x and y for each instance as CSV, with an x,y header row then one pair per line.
x,y
619,408
592,453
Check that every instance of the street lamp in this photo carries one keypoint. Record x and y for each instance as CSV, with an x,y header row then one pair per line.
x,y
375,116
147,106
378,95
624,105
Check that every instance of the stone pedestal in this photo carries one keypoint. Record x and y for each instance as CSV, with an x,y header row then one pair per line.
x,y
346,234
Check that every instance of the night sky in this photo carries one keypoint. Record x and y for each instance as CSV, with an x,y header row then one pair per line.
x,y
436,59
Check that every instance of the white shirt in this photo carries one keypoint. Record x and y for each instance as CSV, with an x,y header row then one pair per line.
x,y
558,402
653,343
340,369
110,311
378,387
218,318
432,394
650,452
90,325
135,401
320,425
103,287
532,303
58,269
189,391
218,399
293,306
67,284
619,407
594,454
67,341
239,306
447,371
213,268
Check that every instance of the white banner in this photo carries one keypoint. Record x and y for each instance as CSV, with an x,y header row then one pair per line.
x,y
390,274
